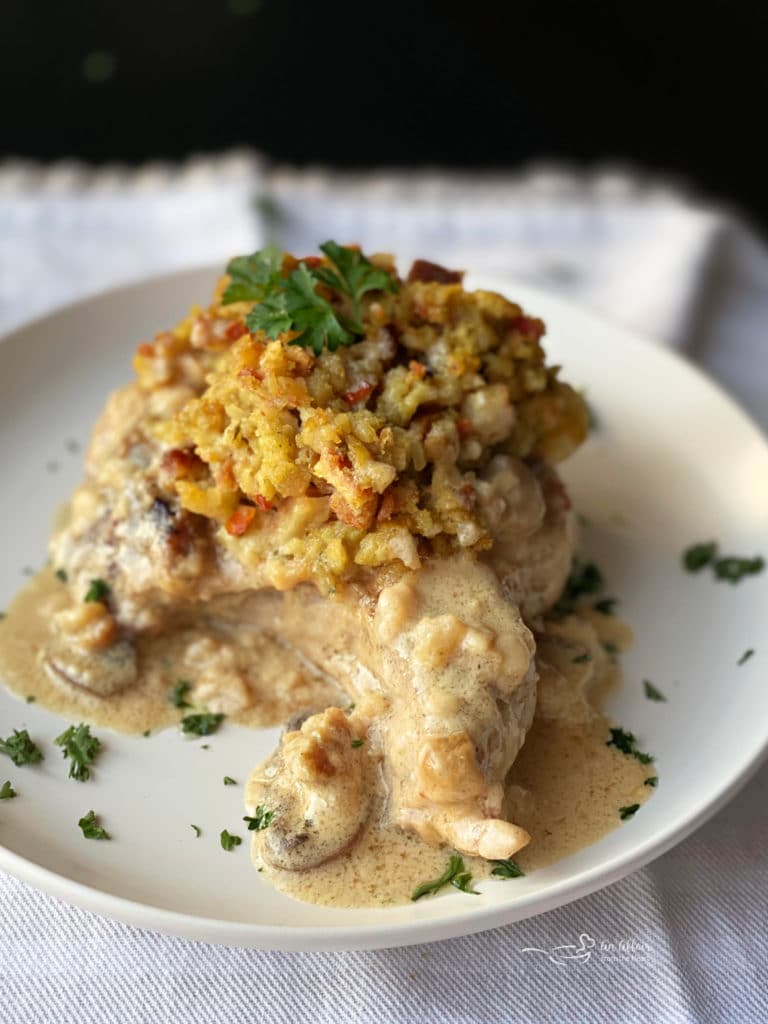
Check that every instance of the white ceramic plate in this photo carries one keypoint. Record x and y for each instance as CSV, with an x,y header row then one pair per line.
x,y
674,461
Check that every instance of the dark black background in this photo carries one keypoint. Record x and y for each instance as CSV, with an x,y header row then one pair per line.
x,y
671,88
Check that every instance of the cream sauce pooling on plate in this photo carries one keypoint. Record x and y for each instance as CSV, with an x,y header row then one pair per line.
x,y
565,788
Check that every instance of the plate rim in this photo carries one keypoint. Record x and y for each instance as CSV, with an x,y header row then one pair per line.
x,y
381,935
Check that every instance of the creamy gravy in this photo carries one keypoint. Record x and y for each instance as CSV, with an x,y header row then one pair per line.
x,y
280,681
565,787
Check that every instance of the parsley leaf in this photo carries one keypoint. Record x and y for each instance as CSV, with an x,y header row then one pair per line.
x,y
746,656
197,830
735,569
81,748
61,574
357,743
628,811
463,882
651,692
583,580
228,841
582,659
202,724
653,782
262,818
626,743
455,874
698,555
253,277
299,308
7,792
97,591
611,649
229,781
91,830
21,749
353,276
178,694
507,869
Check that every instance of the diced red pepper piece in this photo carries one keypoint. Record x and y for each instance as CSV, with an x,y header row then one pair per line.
x,y
263,503
240,520
236,330
358,394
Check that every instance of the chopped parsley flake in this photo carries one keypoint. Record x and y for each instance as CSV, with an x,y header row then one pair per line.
x,y
178,694
261,819
653,781
202,724
229,781
507,869
61,574
582,659
627,812
746,656
607,606
735,569
626,743
611,649
228,841
81,748
97,591
731,568
651,692
7,792
147,732
699,555
455,874
31,699
21,749
197,830
357,743
92,830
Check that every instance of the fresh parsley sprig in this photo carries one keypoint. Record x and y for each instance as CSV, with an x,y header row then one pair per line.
x,y
455,874
293,304
90,827
81,748
202,724
7,792
228,841
21,749
261,819
627,744
507,869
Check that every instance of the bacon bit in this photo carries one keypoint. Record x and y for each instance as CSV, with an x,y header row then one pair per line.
x,y
225,476
464,426
358,394
263,503
527,325
240,520
146,349
423,270
180,463
417,369
236,330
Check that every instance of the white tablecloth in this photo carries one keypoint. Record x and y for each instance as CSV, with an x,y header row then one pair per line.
x,y
681,940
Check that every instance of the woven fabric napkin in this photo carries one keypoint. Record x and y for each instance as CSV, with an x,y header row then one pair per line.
x,y
683,939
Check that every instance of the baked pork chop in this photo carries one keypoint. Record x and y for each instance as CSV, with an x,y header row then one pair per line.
x,y
361,468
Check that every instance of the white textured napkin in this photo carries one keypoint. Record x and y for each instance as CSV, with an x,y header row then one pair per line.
x,y
681,940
